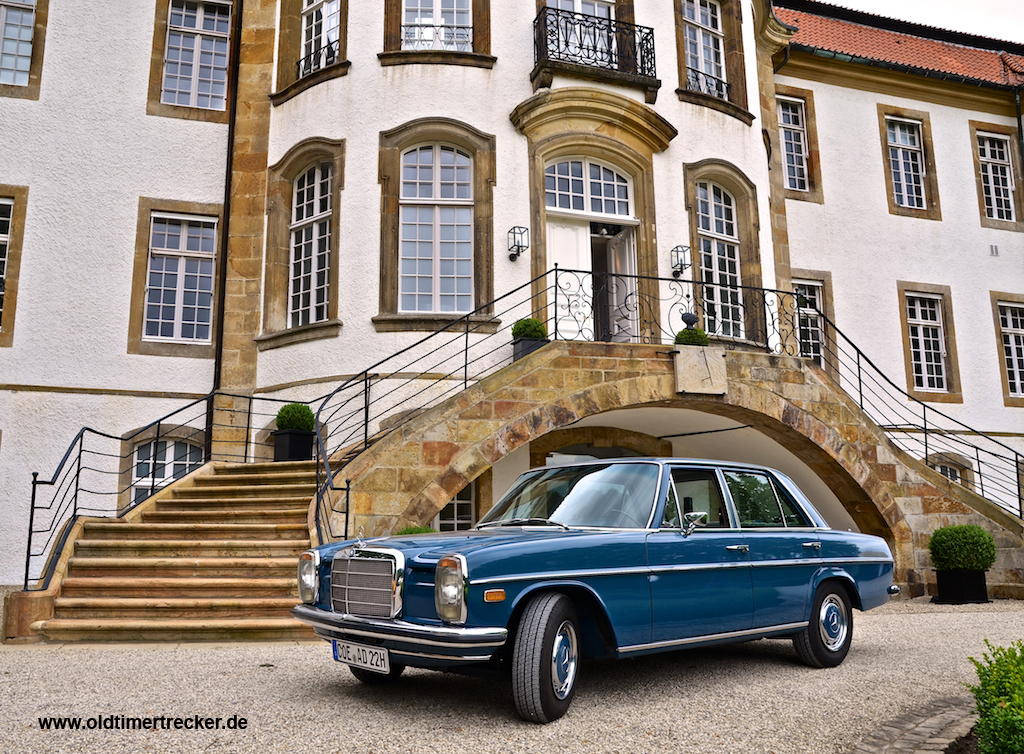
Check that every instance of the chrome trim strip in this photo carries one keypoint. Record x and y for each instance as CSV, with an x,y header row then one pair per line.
x,y
634,570
714,637
472,658
397,630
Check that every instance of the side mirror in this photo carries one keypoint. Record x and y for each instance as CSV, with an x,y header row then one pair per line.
x,y
693,520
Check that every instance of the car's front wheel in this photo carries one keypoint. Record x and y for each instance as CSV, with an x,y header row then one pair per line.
x,y
826,640
369,677
546,658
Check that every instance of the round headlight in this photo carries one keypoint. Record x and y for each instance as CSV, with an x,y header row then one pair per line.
x,y
450,589
309,577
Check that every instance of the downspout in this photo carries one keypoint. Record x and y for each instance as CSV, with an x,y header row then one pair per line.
x,y
222,260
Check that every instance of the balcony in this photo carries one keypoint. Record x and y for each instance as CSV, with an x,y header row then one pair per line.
x,y
705,83
600,49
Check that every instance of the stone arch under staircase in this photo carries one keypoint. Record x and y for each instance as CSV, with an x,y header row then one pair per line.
x,y
410,474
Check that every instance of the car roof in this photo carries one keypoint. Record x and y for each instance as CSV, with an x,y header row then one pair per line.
x,y
665,461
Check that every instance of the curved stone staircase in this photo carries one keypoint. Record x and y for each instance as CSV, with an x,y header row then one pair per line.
x,y
212,558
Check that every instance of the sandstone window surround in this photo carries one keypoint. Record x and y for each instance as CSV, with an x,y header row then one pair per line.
x,y
190,59
1008,315
439,32
13,204
172,311
709,54
798,137
480,150
911,185
312,45
929,342
179,451
953,466
23,37
283,322
996,163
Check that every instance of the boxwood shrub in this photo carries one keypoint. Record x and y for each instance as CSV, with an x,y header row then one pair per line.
x,y
1000,699
692,336
296,416
414,530
529,327
966,547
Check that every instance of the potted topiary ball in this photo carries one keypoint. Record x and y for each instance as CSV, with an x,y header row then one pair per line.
x,y
692,336
528,334
293,438
960,556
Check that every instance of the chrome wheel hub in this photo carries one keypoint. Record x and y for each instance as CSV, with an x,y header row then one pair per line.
x,y
564,659
833,623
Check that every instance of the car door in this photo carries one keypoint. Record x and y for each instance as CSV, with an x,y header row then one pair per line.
x,y
784,547
700,582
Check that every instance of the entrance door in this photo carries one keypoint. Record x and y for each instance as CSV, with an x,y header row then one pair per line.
x,y
623,302
569,247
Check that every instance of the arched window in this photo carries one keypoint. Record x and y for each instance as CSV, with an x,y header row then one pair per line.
x,y
309,281
155,467
719,260
436,248
585,186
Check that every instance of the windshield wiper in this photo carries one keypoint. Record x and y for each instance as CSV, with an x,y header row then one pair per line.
x,y
523,522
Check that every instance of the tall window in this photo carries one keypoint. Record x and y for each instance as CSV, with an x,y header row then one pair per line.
x,y
705,61
587,187
161,462
6,213
719,260
1011,326
793,130
17,20
196,57
996,176
179,280
927,342
906,163
309,284
810,302
321,29
437,25
436,249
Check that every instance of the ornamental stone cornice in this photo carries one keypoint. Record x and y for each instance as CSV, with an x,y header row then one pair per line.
x,y
771,33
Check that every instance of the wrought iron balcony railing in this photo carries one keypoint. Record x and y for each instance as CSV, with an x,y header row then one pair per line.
x,y
450,38
585,40
705,83
321,57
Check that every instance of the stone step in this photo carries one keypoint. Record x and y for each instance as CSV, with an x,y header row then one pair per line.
x,y
249,491
208,548
180,629
230,503
163,608
270,477
263,532
237,567
170,587
240,516
276,467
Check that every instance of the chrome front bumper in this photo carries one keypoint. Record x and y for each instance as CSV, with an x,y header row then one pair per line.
x,y
407,640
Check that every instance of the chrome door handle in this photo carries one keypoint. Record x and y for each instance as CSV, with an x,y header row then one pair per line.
x,y
738,548
815,544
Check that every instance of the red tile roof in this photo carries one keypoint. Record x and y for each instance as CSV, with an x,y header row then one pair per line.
x,y
860,40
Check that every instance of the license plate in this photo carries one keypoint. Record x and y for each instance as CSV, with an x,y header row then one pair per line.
x,y
375,659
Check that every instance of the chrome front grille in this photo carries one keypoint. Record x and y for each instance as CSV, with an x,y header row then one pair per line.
x,y
364,584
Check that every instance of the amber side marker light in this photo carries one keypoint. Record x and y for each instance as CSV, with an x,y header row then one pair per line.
x,y
494,595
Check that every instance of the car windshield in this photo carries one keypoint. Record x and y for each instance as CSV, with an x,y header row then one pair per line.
x,y
619,495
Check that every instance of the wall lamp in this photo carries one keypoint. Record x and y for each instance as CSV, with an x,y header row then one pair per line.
x,y
680,257
518,242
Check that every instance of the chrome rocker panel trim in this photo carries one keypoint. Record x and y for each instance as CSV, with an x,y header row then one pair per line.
x,y
783,629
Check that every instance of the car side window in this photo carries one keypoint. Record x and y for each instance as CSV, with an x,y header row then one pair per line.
x,y
755,500
697,491
671,519
791,512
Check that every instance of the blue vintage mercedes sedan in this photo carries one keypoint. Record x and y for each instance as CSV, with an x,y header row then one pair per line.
x,y
609,558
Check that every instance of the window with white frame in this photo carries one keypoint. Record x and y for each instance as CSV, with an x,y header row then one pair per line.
x,y
179,278
161,462
17,21
927,342
437,25
1011,326
6,212
310,277
597,8
996,176
793,130
810,300
586,186
580,36
719,260
460,513
321,27
950,471
436,247
906,162
196,57
705,61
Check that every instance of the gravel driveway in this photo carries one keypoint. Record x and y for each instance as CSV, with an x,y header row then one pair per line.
x,y
750,698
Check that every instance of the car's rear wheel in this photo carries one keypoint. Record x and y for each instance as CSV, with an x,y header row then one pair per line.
x,y
369,677
546,658
826,640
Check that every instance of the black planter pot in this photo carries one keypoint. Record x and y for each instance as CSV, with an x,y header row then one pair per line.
x,y
525,346
960,587
293,444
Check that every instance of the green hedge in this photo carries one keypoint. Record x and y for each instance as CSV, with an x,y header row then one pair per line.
x,y
969,547
1000,699
296,416
414,530
529,327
